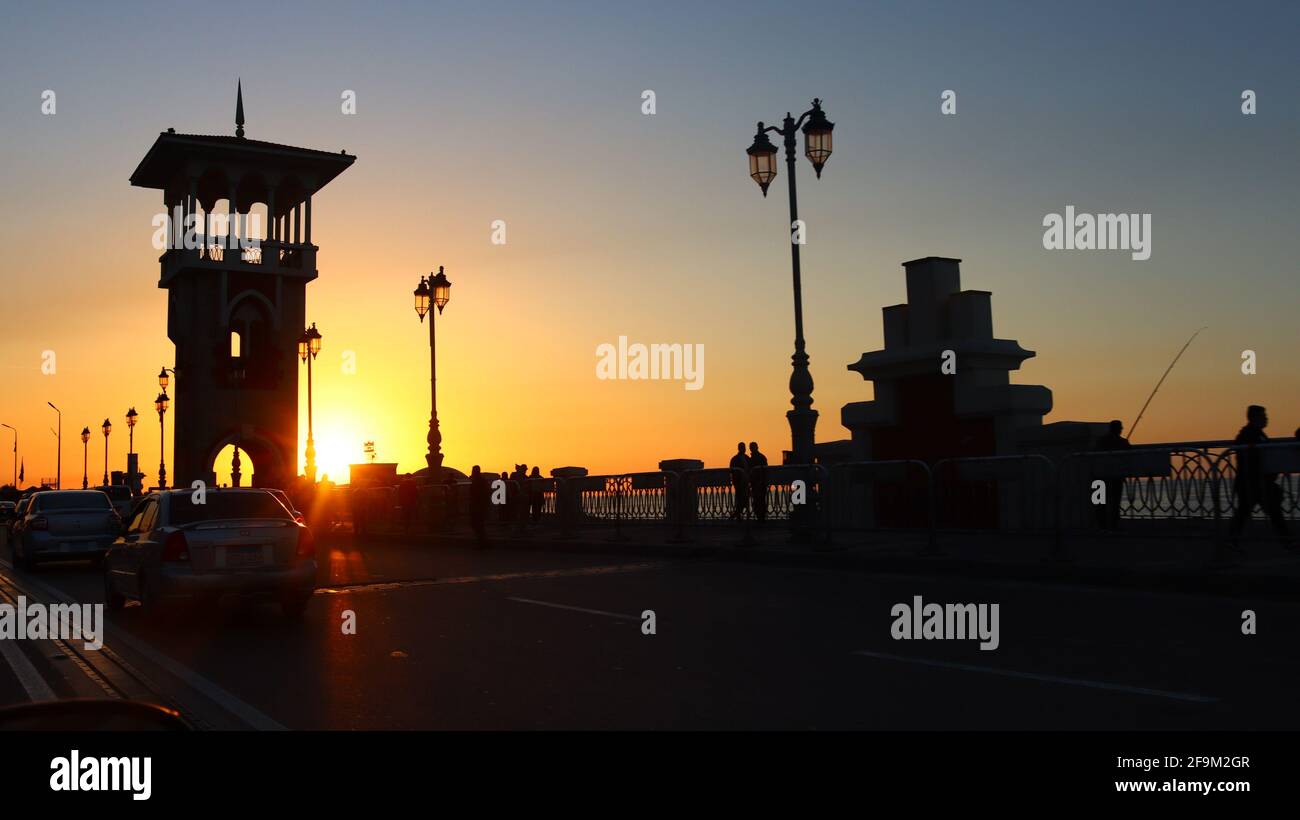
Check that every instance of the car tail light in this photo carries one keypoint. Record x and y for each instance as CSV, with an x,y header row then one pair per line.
x,y
40,522
175,548
306,543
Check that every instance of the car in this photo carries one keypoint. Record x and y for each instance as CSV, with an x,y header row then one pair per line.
x,y
64,525
19,510
120,495
240,542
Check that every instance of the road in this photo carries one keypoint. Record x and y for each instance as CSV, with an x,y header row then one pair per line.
x,y
519,638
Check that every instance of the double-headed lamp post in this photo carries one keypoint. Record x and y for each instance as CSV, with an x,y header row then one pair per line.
x,y
131,416
160,404
130,430
438,289
85,457
762,168
107,427
308,347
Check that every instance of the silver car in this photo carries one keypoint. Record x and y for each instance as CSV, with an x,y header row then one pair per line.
x,y
63,525
237,542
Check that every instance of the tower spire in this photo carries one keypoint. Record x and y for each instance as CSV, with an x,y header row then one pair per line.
x,y
239,109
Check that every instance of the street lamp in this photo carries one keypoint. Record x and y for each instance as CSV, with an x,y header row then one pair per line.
x,y
130,450
130,429
58,468
439,289
15,429
308,347
85,457
107,427
160,404
762,168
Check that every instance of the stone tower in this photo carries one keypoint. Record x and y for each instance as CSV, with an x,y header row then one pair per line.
x,y
236,266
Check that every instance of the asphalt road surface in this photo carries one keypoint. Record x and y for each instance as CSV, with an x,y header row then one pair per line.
x,y
519,638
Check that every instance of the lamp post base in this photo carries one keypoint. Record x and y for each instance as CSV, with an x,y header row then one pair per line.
x,y
803,429
434,457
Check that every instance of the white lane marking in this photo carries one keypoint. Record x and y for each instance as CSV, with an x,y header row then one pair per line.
x,y
232,704
33,683
576,609
1091,684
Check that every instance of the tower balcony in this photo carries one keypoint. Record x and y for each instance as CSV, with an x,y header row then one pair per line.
x,y
295,259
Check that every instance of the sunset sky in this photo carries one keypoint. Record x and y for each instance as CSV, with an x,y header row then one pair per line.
x,y
621,224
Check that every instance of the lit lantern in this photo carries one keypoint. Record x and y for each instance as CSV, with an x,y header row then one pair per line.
x,y
441,289
422,298
762,160
817,137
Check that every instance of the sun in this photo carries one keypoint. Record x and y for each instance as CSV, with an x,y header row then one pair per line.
x,y
333,455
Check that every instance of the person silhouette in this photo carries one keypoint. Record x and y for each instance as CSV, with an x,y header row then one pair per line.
x,y
503,510
758,481
1108,513
1254,487
479,493
519,504
740,480
535,494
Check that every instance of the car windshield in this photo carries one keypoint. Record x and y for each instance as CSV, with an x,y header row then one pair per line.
x,y
72,500
219,505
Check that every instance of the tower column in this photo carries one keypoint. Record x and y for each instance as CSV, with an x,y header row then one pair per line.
x,y
230,217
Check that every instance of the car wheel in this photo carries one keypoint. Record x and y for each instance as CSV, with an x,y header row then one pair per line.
x,y
294,606
114,600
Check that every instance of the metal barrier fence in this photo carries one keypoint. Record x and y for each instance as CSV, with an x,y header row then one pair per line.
x,y
1182,488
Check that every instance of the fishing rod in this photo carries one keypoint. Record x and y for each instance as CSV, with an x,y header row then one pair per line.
x,y
1133,429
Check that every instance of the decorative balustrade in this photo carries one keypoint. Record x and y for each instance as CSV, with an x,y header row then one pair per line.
x,y
1170,484
263,253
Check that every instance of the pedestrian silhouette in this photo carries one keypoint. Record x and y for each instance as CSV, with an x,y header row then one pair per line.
x,y
740,480
479,493
758,481
535,494
1108,513
1253,486
519,486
